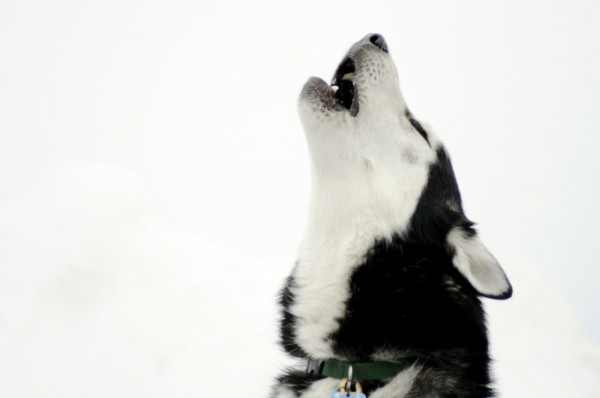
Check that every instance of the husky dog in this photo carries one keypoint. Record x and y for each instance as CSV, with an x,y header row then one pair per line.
x,y
385,294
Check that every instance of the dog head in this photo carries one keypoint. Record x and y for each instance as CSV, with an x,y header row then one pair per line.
x,y
377,172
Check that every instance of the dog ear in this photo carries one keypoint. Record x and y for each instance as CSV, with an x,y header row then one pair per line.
x,y
477,264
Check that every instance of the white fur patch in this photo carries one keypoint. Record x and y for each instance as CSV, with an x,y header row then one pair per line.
x,y
368,173
399,386
283,392
478,265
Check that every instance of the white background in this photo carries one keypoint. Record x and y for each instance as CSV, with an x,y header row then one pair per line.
x,y
154,181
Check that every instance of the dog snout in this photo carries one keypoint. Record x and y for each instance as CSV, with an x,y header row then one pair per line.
x,y
379,41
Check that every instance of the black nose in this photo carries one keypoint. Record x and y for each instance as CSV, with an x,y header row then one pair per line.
x,y
379,41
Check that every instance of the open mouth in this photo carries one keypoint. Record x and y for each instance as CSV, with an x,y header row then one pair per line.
x,y
343,86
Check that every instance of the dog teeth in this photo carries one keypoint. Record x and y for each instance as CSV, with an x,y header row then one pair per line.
x,y
333,89
348,76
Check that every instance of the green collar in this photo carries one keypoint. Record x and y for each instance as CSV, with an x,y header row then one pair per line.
x,y
377,370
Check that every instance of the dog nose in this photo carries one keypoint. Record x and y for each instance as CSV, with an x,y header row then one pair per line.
x,y
379,41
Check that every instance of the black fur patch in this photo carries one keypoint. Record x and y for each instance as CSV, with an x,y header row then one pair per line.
x,y
440,206
296,380
288,321
408,299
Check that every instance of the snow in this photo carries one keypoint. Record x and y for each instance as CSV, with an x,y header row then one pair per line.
x,y
154,182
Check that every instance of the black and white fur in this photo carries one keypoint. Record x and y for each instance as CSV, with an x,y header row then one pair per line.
x,y
390,267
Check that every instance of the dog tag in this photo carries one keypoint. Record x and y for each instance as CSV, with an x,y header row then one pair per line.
x,y
345,390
